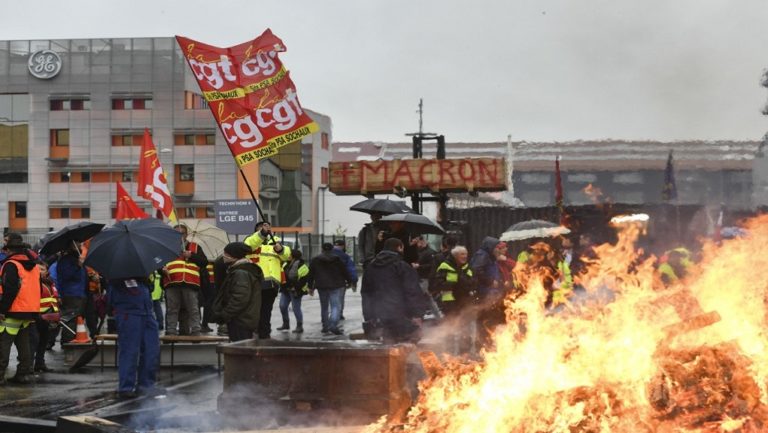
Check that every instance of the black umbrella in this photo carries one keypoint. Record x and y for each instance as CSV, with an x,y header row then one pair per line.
x,y
133,248
415,223
533,229
62,239
381,205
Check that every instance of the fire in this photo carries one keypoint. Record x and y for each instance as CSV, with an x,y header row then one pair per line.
x,y
628,355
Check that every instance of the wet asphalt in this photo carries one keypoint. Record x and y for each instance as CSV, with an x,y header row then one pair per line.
x,y
189,403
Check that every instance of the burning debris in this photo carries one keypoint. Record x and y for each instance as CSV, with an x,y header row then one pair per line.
x,y
691,358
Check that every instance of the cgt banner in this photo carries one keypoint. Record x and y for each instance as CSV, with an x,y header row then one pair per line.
x,y
250,94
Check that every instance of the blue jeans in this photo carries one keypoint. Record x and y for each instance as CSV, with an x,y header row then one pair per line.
x,y
332,298
285,299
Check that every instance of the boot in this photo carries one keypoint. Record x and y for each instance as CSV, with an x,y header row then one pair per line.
x,y
286,326
299,329
40,367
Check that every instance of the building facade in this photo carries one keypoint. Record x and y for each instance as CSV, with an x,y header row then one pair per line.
x,y
72,115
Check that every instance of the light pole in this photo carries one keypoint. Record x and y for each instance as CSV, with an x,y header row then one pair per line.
x,y
322,189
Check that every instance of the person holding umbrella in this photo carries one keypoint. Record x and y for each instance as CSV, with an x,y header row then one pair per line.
x,y
138,341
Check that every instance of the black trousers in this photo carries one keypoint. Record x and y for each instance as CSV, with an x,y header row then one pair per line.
x,y
269,291
237,332
21,340
38,339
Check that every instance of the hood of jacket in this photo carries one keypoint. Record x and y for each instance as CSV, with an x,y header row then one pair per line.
x,y
328,257
24,259
246,265
386,258
489,244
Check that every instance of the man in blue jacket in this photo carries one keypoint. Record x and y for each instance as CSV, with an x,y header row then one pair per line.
x,y
340,249
72,283
138,343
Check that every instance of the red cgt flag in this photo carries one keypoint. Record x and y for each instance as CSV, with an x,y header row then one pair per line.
x,y
250,94
153,184
127,208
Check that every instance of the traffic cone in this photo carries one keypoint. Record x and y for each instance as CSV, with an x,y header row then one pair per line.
x,y
81,335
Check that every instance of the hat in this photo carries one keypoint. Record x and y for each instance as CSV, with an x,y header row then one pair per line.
x,y
340,242
327,246
237,250
14,241
258,225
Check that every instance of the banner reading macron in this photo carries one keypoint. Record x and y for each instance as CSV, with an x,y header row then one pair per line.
x,y
250,94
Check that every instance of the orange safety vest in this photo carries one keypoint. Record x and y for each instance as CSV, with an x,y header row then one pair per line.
x,y
182,271
49,298
28,298
209,268
94,286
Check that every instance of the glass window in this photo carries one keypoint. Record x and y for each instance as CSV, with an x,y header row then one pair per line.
x,y
59,137
64,213
85,212
147,104
189,140
210,139
64,177
14,137
85,176
21,209
57,105
186,172
324,141
118,104
209,212
138,104
128,104
127,176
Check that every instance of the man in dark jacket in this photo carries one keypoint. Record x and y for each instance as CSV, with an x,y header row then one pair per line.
x,y
486,270
392,298
19,306
72,284
366,240
329,276
238,300
340,249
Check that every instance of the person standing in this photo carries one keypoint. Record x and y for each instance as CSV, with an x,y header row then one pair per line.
x,y
455,282
340,249
270,254
183,279
486,269
155,279
426,263
296,277
40,333
138,341
329,276
392,298
208,295
366,240
238,300
72,283
19,307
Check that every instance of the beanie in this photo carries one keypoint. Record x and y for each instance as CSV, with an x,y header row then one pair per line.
x,y
237,250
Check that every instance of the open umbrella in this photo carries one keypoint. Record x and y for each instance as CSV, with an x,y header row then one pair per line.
x,y
381,205
63,238
415,223
533,229
133,248
210,238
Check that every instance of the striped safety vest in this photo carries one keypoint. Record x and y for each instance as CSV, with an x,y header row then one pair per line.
x,y
211,276
451,277
181,271
49,301
28,298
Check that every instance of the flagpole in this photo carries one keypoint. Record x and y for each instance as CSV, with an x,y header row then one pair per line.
x,y
255,201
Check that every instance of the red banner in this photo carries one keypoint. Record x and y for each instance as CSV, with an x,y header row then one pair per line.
x,y
250,94
127,208
153,185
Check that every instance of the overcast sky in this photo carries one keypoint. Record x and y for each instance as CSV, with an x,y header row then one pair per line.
x,y
535,69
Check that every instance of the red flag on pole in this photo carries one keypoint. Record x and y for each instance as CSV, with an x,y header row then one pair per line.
x,y
127,208
153,184
559,193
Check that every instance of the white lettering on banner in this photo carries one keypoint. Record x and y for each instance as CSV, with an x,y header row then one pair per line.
x,y
244,130
158,185
225,218
262,63
285,113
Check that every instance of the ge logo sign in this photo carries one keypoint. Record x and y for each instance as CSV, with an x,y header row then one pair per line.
x,y
44,64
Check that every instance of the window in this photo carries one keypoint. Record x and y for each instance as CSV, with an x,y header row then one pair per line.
x,y
14,137
324,141
85,176
65,104
127,140
193,101
132,103
209,212
59,137
64,177
85,212
194,139
186,172
20,209
324,175
64,213
127,176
